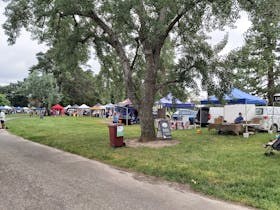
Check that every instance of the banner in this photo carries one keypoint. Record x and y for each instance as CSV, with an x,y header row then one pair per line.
x,y
120,129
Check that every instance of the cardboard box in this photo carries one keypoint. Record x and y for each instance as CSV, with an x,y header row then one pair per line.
x,y
218,120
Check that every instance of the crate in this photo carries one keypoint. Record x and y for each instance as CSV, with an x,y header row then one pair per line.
x,y
218,120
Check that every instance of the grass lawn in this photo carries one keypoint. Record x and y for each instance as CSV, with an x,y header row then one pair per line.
x,y
225,166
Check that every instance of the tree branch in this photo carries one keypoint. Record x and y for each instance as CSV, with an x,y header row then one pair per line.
x,y
160,86
171,25
136,54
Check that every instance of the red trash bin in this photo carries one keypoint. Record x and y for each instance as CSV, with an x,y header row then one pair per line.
x,y
116,136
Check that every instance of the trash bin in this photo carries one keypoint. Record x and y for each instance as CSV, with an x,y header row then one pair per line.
x,y
116,135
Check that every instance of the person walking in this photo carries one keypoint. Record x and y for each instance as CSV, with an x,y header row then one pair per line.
x,y
2,119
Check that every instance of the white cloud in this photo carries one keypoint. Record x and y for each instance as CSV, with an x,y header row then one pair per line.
x,y
236,35
15,60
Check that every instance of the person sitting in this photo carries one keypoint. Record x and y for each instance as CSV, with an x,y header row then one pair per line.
x,y
239,119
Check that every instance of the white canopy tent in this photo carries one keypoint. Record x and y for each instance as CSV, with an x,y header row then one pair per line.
x,y
84,106
109,106
83,109
8,107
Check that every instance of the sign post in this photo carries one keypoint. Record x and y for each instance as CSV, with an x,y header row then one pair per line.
x,y
164,128
120,129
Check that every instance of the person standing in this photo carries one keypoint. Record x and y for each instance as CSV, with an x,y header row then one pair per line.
x,y
2,119
115,117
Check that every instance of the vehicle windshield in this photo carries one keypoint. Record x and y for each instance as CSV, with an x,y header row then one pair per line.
x,y
259,111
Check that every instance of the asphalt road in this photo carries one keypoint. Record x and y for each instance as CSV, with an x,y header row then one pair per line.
x,y
33,176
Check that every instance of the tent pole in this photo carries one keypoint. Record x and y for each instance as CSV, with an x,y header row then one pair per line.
x,y
246,116
126,115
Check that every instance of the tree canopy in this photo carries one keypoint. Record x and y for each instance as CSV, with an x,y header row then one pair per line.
x,y
258,61
3,100
135,32
41,89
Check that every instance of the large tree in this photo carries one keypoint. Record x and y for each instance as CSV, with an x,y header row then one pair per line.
x,y
41,89
13,94
134,30
78,86
258,61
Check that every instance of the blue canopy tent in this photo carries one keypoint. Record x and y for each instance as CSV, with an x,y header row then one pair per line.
x,y
236,97
171,101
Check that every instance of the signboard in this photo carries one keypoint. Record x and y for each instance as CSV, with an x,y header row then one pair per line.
x,y
276,97
164,127
120,129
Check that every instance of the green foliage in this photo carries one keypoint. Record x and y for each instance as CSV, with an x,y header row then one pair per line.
x,y
41,90
138,33
76,85
225,166
4,100
257,63
79,87
13,94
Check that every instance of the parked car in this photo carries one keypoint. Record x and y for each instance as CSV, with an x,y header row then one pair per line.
x,y
203,116
188,113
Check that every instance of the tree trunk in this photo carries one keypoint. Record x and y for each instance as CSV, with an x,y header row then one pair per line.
x,y
147,123
146,113
148,94
270,86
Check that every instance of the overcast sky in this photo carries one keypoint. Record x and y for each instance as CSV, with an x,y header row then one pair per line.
x,y
15,60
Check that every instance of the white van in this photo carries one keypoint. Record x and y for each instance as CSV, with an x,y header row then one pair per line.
x,y
268,117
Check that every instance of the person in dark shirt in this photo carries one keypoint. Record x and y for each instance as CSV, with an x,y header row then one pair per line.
x,y
239,119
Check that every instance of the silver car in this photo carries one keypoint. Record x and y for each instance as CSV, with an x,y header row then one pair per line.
x,y
190,115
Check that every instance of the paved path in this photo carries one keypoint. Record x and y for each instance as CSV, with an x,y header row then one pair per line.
x,y
33,176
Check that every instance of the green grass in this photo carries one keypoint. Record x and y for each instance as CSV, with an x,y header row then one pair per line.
x,y
224,166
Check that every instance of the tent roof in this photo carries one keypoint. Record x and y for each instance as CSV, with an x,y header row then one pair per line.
x,y
97,107
68,106
126,102
171,101
7,107
57,107
83,106
236,97
75,106
110,105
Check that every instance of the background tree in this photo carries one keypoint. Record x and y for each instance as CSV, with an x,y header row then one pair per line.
x,y
257,64
79,87
136,31
41,90
76,85
13,94
3,100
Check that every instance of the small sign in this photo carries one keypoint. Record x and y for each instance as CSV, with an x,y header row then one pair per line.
x,y
276,97
164,127
120,129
